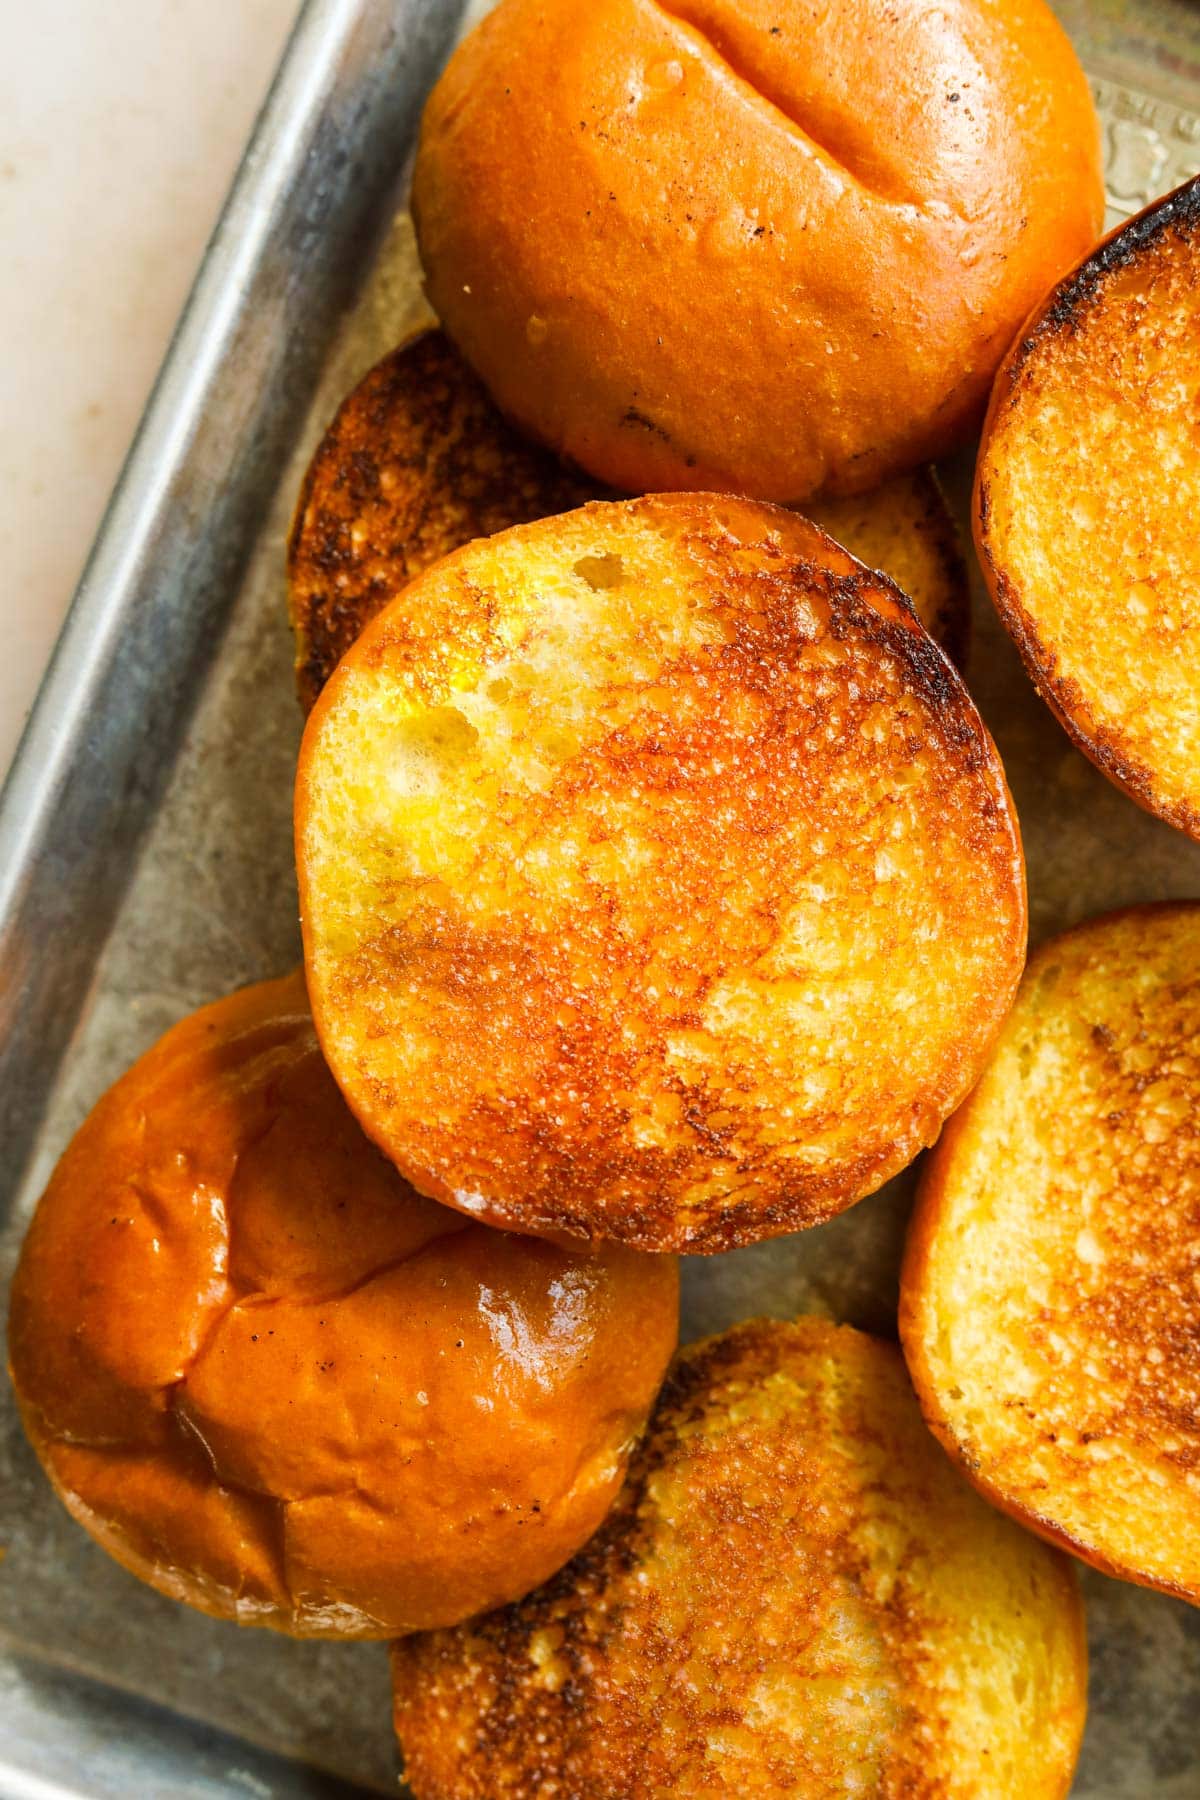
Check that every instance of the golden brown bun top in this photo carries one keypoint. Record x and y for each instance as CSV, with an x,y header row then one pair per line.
x,y
419,462
752,244
1051,1295
1087,493
659,880
277,1383
796,1594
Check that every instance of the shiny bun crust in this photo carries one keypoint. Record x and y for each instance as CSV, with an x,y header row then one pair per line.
x,y
752,244
659,879
274,1382
794,1595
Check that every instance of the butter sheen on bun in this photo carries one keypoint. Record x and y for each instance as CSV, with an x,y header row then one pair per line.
x,y
761,245
277,1384
658,878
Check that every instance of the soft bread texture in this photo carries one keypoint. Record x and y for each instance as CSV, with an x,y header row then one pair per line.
x,y
1086,495
277,1384
659,880
419,462
761,245
1051,1289
795,1594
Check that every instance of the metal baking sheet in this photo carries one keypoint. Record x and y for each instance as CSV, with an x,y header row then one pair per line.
x,y
145,866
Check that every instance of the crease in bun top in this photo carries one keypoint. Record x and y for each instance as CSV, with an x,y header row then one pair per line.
x,y
275,1383
418,462
763,245
1050,1297
1086,496
659,879
795,1594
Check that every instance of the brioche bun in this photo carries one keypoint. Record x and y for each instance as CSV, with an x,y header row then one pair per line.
x,y
1087,488
1050,1297
752,244
659,880
275,1383
795,1594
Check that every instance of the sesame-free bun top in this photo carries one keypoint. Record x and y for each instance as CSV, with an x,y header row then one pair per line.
x,y
275,1383
794,1595
418,462
1050,1298
752,244
1087,492
659,880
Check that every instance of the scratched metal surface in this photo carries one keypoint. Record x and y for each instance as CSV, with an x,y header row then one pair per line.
x,y
107,1689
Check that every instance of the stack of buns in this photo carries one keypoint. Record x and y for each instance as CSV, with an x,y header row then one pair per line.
x,y
662,891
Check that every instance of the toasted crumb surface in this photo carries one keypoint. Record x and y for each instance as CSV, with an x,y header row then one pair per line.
x,y
659,880
795,1594
1051,1291
1087,492
419,461
905,528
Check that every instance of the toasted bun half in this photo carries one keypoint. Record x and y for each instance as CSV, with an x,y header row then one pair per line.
x,y
750,244
419,462
795,1594
659,880
1050,1299
274,1382
1085,503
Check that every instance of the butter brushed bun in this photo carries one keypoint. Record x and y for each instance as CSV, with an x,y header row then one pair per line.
x,y
275,1383
758,245
659,880
416,463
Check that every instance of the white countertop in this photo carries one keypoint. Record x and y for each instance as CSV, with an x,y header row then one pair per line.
x,y
121,122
